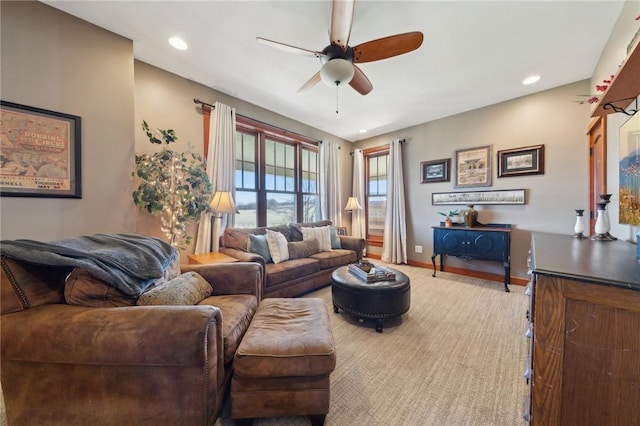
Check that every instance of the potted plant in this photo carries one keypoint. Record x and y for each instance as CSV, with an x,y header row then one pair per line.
x,y
448,217
174,186
455,216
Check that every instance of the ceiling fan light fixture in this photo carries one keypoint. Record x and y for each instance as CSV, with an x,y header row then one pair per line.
x,y
336,72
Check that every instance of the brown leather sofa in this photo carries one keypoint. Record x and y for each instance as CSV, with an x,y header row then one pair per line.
x,y
297,276
142,365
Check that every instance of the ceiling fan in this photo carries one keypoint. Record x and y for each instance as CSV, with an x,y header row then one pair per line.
x,y
339,59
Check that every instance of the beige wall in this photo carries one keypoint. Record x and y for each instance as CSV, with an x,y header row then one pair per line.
x,y
53,61
612,56
550,118
165,100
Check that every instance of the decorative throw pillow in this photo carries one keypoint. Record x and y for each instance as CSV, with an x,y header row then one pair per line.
x,y
295,233
300,249
258,244
236,238
277,246
322,234
186,289
335,239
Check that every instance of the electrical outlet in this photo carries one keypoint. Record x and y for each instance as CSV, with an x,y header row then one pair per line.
x,y
418,249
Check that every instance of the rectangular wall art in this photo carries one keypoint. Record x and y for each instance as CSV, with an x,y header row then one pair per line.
x,y
435,170
521,161
629,197
473,167
40,155
509,196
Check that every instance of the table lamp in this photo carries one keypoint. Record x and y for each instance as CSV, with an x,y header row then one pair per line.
x,y
353,204
221,203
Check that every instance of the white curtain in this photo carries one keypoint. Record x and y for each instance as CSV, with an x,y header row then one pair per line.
x,y
394,248
221,160
358,217
330,195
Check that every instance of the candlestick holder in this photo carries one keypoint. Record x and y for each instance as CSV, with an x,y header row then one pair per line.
x,y
578,228
606,198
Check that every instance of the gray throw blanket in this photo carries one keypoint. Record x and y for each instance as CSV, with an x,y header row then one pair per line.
x,y
128,262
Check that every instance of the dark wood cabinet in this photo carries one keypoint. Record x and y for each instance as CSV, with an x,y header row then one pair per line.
x,y
487,242
584,354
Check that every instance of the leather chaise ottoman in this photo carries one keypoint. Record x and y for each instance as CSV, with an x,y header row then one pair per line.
x,y
282,365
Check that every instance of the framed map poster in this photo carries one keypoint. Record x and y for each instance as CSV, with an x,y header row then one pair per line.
x,y
39,152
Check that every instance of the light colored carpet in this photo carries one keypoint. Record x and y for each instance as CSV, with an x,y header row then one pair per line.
x,y
456,358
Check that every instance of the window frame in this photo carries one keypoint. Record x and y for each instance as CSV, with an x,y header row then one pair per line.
x,y
264,131
372,240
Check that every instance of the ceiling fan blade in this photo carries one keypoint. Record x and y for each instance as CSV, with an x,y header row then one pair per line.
x,y
360,82
340,22
315,79
387,47
288,48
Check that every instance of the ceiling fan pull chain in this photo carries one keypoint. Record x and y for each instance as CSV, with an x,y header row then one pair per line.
x,y
337,84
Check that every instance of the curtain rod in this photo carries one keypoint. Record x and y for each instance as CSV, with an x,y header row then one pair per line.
x,y
198,101
284,131
339,147
401,141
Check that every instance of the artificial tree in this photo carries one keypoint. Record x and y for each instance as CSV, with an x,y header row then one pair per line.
x,y
174,185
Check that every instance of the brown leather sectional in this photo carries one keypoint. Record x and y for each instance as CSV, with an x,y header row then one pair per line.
x,y
143,365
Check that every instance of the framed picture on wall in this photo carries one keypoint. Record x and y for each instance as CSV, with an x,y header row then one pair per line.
x,y
505,196
521,161
473,167
341,230
435,171
629,173
40,155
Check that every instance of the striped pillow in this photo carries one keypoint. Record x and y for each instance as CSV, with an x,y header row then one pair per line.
x,y
321,233
277,246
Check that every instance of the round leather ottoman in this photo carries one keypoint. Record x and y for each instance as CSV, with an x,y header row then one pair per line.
x,y
376,300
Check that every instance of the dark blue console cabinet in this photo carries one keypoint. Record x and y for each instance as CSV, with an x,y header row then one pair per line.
x,y
485,242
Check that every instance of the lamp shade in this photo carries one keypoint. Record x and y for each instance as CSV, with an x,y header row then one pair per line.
x,y
336,72
222,202
353,204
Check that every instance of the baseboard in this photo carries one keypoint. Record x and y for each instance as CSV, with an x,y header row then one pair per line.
x,y
466,272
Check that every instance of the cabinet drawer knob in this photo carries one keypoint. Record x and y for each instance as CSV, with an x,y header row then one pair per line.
x,y
529,332
526,409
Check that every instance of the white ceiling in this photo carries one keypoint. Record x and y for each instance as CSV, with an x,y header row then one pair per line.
x,y
475,53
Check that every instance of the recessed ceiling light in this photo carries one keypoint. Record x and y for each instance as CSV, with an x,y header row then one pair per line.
x,y
363,130
178,43
531,79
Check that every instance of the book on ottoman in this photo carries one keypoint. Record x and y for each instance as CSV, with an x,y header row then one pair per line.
x,y
369,272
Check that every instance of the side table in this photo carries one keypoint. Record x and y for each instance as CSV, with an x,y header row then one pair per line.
x,y
209,258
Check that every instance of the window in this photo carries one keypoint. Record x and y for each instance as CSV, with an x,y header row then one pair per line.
x,y
246,179
276,176
376,165
310,188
